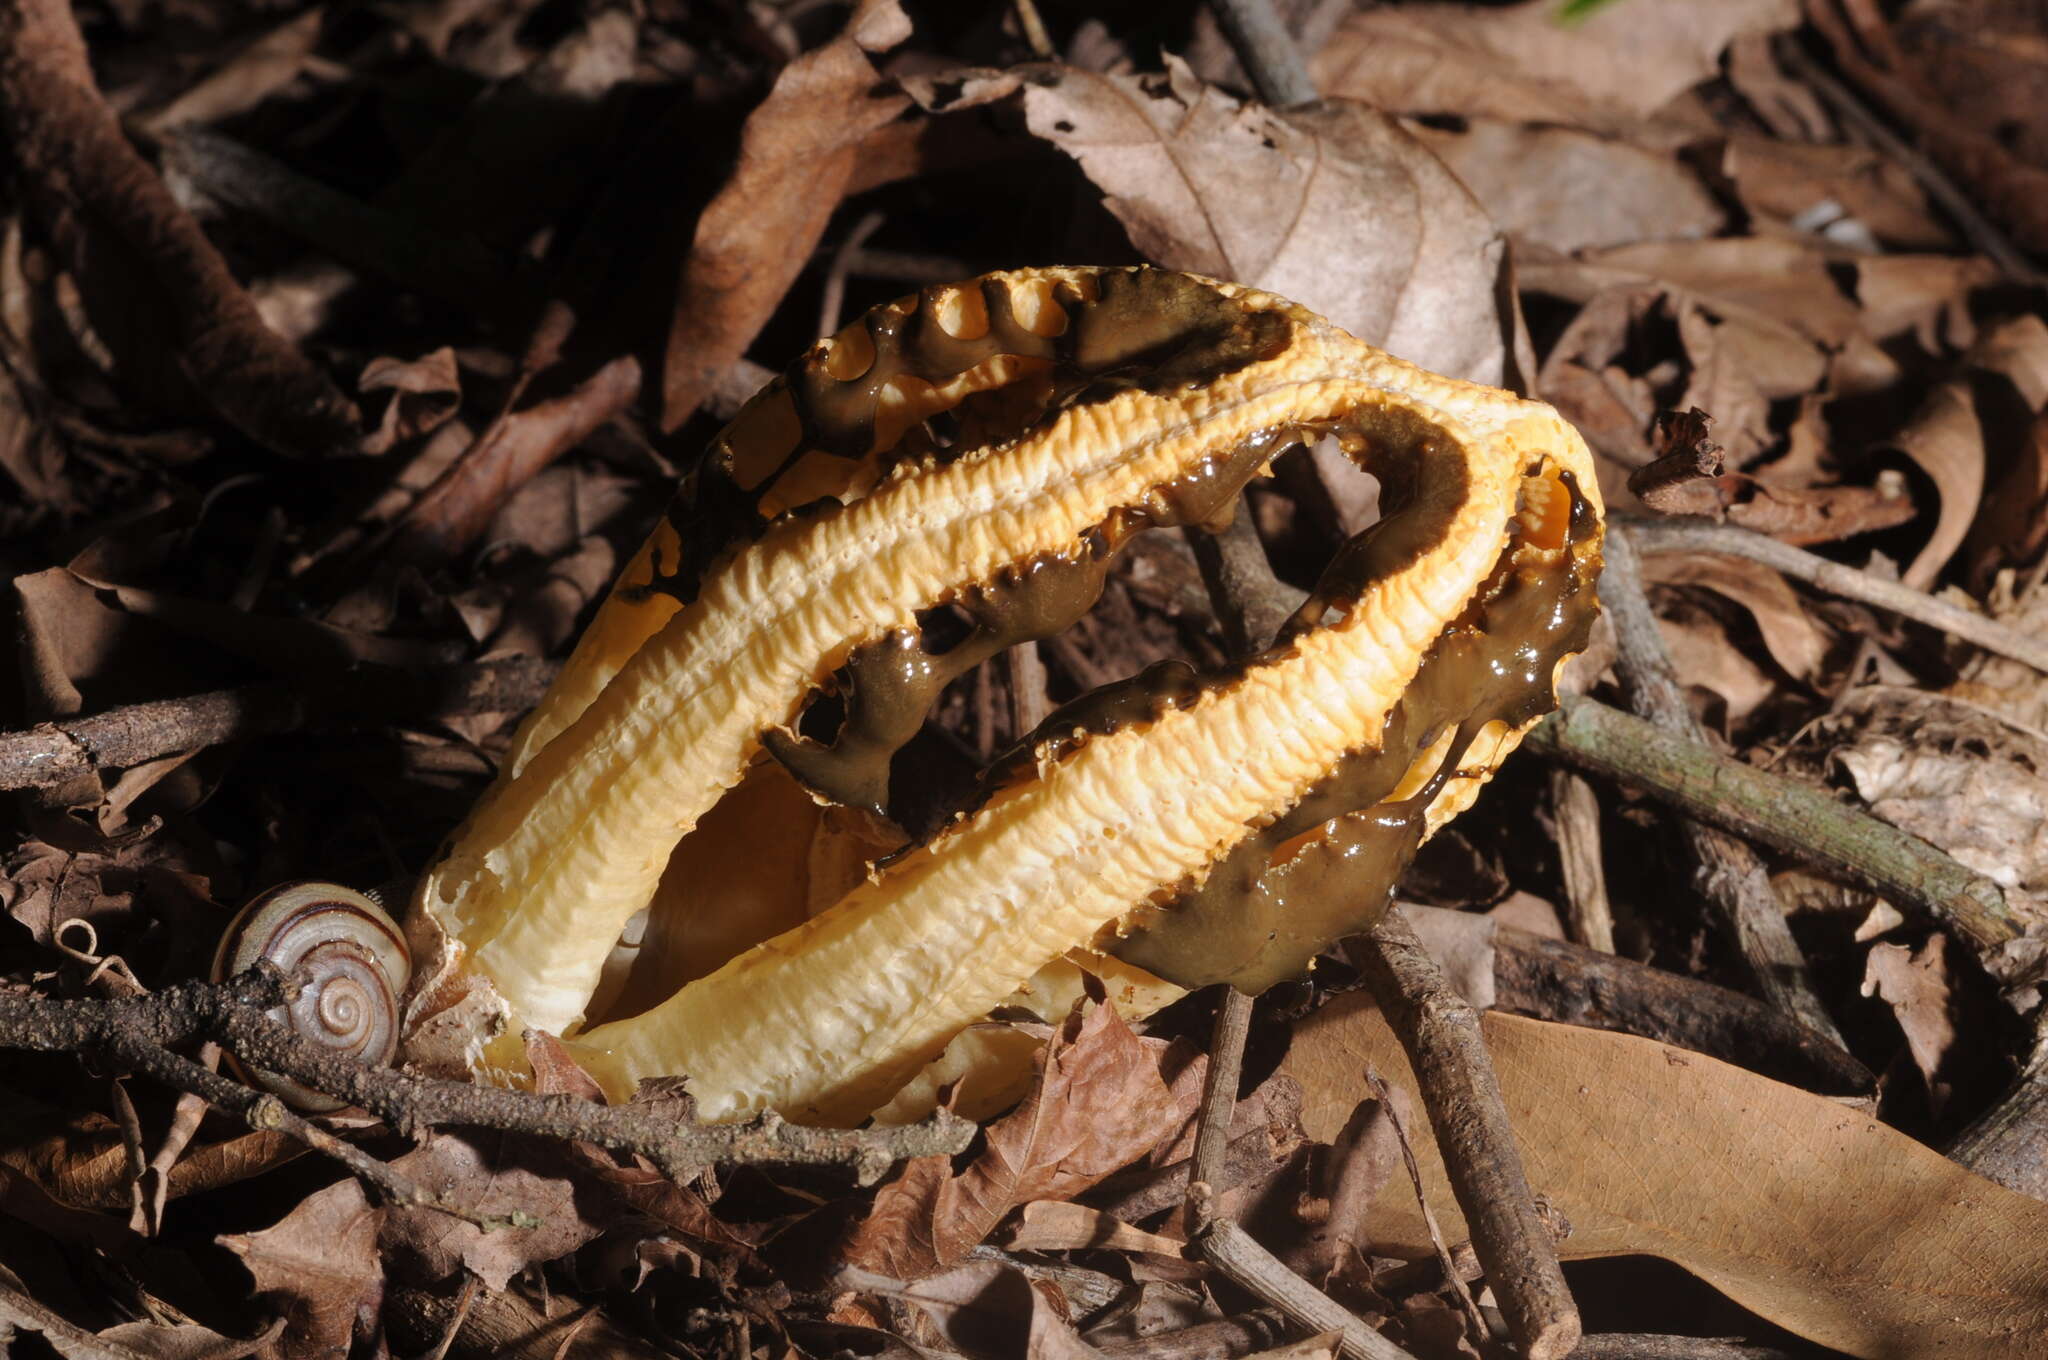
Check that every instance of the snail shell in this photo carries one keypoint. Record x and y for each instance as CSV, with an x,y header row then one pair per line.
x,y
350,960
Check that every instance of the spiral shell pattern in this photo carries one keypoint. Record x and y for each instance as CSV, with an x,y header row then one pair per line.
x,y
351,963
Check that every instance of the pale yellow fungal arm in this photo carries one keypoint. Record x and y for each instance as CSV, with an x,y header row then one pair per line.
x,y
991,446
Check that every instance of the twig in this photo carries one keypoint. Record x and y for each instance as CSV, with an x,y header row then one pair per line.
x,y
1440,1033
1656,536
1219,1086
262,1111
1555,980
1729,876
1035,35
1680,481
1977,229
233,1013
832,301
1452,1278
1266,51
1782,813
51,753
2009,1142
159,293
1251,1267
1578,852
1646,1346
1250,601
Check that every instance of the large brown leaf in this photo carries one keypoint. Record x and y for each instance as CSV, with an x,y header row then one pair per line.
x,y
1804,1211
1100,1104
796,156
1335,207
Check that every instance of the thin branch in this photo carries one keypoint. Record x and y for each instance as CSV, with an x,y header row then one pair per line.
x,y
1250,601
1252,1268
1580,862
233,1014
1219,1086
1782,813
1439,1030
1729,877
1558,980
1267,51
1688,535
53,752
1642,1346
1453,1279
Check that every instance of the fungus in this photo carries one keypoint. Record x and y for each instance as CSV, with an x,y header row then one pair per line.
x,y
991,446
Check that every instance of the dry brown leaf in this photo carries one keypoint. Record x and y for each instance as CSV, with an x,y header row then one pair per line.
x,y
1783,281
1832,188
1708,659
459,505
1802,1210
1917,986
1567,190
796,156
320,1267
2012,525
1518,62
81,1160
1725,383
1945,439
1953,774
490,1174
1058,1225
1970,93
1336,207
987,1309
1928,295
1100,1104
425,392
1795,639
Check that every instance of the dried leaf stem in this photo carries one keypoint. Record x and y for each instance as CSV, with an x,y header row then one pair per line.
x,y
1782,813
1729,876
142,1030
1692,535
1439,1030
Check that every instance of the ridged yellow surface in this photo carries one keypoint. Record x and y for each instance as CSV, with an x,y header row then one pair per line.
x,y
825,1021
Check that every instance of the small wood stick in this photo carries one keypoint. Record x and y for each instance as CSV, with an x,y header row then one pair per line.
x,y
1687,535
1233,1251
1439,1030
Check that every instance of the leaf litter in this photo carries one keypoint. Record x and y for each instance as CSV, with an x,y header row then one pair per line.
x,y
487,222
